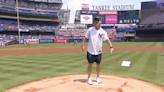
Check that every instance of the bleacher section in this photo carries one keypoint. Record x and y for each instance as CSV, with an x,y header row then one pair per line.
x,y
27,25
32,4
115,35
40,16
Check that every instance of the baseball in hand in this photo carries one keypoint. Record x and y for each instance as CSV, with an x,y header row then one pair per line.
x,y
82,47
111,50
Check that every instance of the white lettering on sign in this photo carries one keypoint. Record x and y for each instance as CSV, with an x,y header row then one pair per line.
x,y
85,6
114,7
128,21
107,12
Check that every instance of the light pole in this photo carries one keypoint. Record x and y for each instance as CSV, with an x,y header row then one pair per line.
x,y
18,20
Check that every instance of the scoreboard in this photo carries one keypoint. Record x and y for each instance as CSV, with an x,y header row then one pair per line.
x,y
133,14
128,17
111,17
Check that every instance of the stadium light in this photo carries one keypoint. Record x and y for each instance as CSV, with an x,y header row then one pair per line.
x,y
18,20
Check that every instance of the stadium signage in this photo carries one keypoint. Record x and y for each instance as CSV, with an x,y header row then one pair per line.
x,y
86,19
119,36
76,35
67,35
22,41
114,7
107,12
85,6
60,40
31,41
101,17
89,12
112,36
129,21
46,40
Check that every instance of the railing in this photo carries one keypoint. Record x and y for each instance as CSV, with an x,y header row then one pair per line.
x,y
58,27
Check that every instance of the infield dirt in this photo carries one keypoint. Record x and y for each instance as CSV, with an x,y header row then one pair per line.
x,y
77,83
34,51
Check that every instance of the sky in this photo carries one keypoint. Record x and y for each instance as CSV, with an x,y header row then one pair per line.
x,y
74,5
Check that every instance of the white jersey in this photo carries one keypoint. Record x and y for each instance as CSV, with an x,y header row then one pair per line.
x,y
96,38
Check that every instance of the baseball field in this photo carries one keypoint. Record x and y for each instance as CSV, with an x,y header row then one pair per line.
x,y
21,65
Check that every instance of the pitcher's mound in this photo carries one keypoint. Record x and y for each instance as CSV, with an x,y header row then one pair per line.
x,y
77,83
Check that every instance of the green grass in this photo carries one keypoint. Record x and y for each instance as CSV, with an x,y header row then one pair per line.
x,y
127,44
16,70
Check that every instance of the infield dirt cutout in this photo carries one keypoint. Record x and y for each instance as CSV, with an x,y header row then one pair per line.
x,y
77,83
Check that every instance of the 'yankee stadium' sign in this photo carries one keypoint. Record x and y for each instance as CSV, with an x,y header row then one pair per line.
x,y
114,7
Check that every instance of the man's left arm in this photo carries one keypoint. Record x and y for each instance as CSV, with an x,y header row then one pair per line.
x,y
106,38
109,43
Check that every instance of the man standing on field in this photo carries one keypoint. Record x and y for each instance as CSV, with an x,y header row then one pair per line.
x,y
96,36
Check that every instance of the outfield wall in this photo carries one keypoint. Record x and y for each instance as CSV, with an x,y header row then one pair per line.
x,y
141,39
40,41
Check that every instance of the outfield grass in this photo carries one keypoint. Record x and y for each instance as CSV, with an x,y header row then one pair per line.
x,y
125,44
16,70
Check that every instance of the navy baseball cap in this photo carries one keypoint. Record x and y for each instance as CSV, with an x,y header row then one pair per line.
x,y
97,18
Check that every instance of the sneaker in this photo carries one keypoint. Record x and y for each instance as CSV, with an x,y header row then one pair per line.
x,y
98,80
90,81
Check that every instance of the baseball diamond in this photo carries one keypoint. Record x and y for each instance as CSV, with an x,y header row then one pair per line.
x,y
37,68
54,46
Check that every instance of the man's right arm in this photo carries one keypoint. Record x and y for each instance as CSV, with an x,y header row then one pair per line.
x,y
85,38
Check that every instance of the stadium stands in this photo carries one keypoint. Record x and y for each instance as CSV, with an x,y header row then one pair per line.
x,y
12,25
31,7
31,4
38,20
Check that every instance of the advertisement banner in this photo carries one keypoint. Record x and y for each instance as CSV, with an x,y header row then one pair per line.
x,y
85,7
22,41
102,18
66,35
60,40
78,40
107,12
86,19
87,12
31,41
82,35
128,21
119,36
46,40
112,36
76,35
128,17
111,19
24,30
55,20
